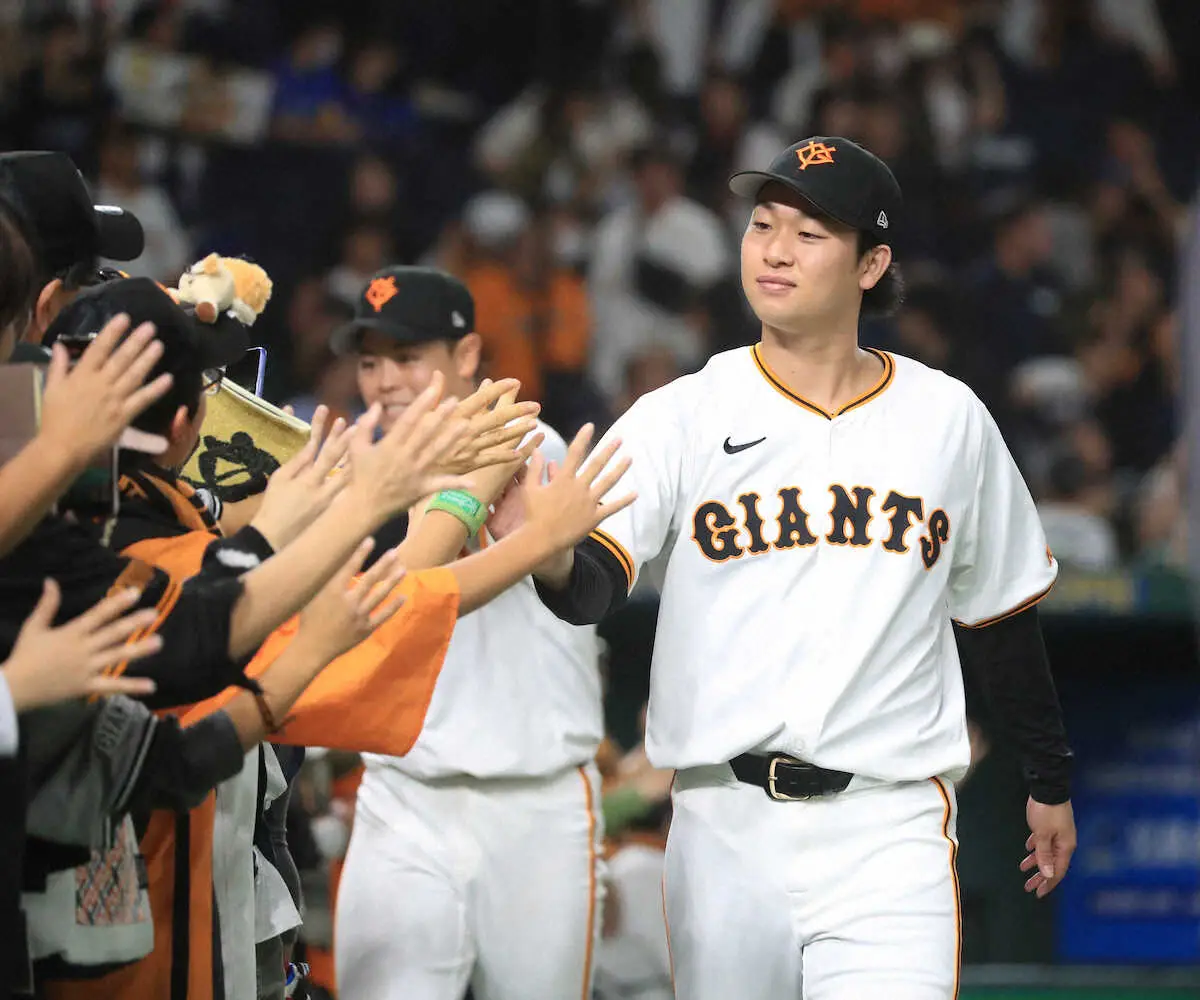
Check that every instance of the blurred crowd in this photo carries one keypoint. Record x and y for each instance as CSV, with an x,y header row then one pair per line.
x,y
568,161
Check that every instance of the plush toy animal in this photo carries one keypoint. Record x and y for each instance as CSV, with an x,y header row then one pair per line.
x,y
231,285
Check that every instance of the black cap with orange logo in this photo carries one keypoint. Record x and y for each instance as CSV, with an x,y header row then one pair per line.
x,y
413,305
839,177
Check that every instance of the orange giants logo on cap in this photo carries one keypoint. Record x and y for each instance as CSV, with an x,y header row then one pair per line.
x,y
381,291
815,153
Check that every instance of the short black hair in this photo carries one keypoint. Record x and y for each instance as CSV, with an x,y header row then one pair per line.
x,y
18,273
887,296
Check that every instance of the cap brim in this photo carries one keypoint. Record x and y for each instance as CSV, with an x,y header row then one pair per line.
x,y
748,183
119,234
345,338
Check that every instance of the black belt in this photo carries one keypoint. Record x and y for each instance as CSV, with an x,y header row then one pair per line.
x,y
786,779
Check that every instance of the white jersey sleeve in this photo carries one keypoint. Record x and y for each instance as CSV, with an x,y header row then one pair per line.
x,y
1002,564
651,435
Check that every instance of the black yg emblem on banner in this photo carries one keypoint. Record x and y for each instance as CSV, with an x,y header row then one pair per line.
x,y
235,469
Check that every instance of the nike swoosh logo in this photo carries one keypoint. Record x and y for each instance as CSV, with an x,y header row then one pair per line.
x,y
733,449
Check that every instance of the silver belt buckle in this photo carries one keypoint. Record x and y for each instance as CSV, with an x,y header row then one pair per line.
x,y
773,792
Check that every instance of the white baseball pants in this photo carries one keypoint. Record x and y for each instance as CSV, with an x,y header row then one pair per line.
x,y
493,883
849,897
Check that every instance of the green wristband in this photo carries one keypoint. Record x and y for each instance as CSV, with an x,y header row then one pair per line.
x,y
460,504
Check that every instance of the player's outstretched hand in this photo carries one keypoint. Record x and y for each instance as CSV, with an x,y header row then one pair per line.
x,y
50,664
493,483
85,409
568,507
497,425
1051,844
300,490
409,461
347,610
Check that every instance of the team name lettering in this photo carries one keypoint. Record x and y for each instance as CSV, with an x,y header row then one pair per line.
x,y
755,526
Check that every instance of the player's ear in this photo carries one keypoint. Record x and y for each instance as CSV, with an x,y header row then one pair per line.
x,y
873,265
467,354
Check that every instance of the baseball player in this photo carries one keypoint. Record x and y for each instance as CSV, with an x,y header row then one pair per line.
x,y
820,516
474,858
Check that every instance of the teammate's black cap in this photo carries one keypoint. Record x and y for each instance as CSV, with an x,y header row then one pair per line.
x,y
837,176
412,305
189,346
53,204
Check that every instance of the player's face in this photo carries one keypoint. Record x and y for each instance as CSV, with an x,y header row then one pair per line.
x,y
393,374
798,269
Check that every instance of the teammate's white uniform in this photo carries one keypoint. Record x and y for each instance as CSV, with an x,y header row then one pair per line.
x,y
474,859
812,564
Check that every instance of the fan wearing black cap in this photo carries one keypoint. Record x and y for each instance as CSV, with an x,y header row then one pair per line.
x,y
824,519
67,233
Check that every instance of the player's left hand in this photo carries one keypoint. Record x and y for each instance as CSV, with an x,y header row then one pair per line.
x,y
1051,844
572,503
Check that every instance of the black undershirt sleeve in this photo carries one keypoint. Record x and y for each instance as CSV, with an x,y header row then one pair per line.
x,y
598,585
1009,661
184,764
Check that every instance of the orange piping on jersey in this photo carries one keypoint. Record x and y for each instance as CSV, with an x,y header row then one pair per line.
x,y
586,990
954,878
618,550
667,926
1023,606
889,370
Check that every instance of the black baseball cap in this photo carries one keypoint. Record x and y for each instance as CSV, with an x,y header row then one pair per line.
x,y
412,305
189,346
52,202
838,177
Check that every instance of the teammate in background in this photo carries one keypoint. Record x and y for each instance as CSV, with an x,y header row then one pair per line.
x,y
823,514
474,858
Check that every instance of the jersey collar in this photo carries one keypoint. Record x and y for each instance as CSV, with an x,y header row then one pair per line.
x,y
776,383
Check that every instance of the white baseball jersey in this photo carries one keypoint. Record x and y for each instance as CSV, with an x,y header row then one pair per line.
x,y
519,693
813,563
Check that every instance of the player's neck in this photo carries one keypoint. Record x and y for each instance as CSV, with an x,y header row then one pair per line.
x,y
829,369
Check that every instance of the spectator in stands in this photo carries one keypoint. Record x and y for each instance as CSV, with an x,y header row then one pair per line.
x,y
61,101
564,142
533,314
1129,358
727,140
121,182
375,95
319,378
1078,533
308,90
367,247
1015,299
652,262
